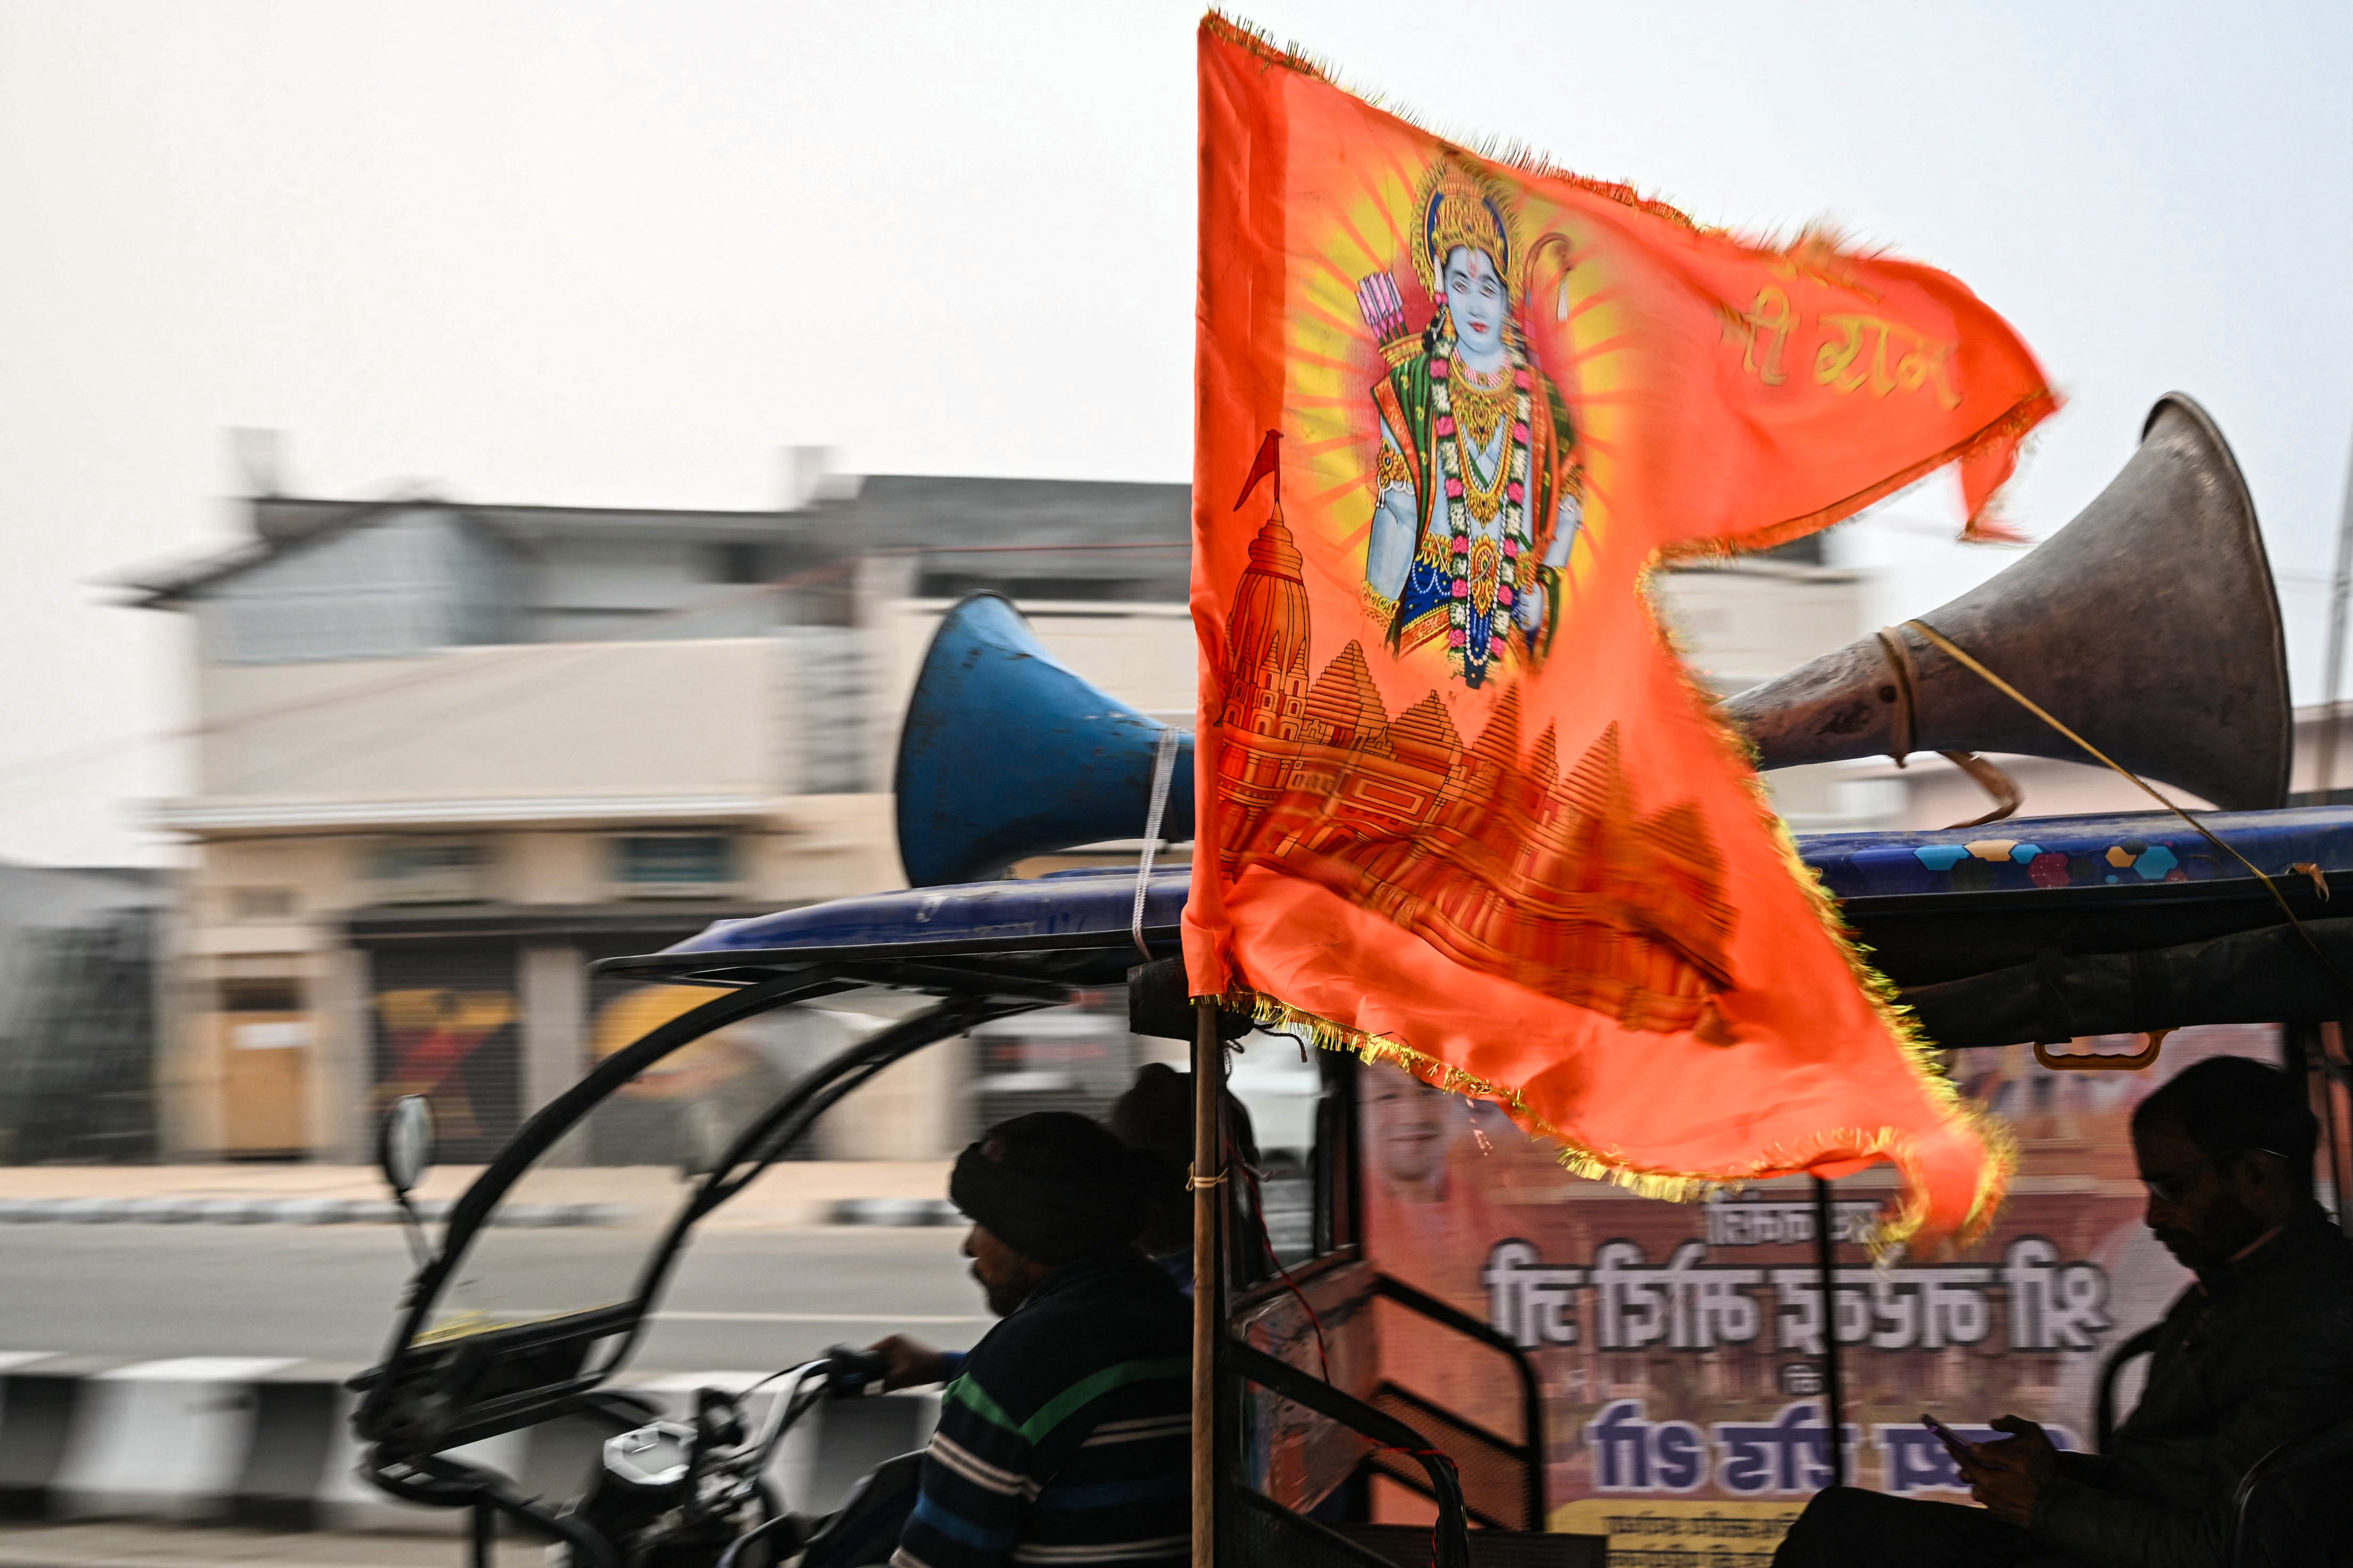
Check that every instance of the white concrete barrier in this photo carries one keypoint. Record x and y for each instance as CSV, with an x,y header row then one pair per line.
x,y
345,1501
160,1438
266,1441
287,1211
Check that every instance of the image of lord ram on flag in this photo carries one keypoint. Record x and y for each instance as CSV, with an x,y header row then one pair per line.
x,y
1461,807
1479,494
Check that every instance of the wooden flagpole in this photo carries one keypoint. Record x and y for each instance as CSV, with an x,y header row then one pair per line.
x,y
1209,1272
1826,1270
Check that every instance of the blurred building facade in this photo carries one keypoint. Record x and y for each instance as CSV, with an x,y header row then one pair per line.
x,y
450,755
78,1013
1745,619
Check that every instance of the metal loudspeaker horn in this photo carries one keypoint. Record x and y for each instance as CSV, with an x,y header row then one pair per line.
x,y
2147,625
1005,754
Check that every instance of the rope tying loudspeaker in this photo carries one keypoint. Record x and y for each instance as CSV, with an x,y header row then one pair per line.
x,y
1163,769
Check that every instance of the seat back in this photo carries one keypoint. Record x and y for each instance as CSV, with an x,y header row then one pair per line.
x,y
867,1528
2294,1508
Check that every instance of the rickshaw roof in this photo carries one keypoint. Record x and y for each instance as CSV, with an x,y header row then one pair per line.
x,y
1092,901
2126,851
2021,864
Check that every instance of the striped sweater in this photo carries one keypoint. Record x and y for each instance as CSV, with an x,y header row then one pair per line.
x,y
1066,1438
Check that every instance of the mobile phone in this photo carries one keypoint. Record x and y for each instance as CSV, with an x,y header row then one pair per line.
x,y
1954,1444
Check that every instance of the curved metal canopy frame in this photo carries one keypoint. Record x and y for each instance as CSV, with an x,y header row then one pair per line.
x,y
613,1331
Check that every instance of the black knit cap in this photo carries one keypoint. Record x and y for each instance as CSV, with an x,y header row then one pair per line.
x,y
1060,1187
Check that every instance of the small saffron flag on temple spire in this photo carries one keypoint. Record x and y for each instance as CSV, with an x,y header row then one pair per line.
x,y
1460,806
1269,461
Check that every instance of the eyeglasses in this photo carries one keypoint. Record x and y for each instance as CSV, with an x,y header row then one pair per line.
x,y
2171,1187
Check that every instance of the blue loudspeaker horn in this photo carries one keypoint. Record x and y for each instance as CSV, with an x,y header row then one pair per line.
x,y
1006,754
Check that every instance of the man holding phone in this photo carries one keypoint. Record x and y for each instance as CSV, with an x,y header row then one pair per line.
x,y
2257,1353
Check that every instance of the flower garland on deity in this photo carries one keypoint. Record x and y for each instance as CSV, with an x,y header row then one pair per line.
x,y
1468,531
1488,574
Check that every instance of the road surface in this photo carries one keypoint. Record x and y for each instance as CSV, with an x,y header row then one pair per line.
x,y
738,1300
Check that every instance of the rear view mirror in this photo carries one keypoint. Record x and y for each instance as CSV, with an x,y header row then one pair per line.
x,y
702,1139
404,1148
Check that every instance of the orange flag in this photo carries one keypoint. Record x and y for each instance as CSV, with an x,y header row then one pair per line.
x,y
1459,805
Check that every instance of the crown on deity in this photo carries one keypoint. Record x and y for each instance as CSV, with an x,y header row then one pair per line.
x,y
1460,205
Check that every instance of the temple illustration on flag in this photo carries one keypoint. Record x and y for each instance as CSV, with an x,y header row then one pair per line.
x,y
1556,883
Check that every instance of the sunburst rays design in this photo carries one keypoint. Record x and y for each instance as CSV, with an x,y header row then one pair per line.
x,y
1577,324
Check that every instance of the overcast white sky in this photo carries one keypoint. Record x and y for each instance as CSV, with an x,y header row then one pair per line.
x,y
618,253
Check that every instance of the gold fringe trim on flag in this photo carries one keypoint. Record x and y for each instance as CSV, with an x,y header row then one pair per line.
x,y
1920,1053
1817,248
1816,245
1519,156
1674,1186
2019,418
1850,1143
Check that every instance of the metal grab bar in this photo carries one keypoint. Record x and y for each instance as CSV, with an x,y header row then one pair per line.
x,y
1451,1534
1530,1452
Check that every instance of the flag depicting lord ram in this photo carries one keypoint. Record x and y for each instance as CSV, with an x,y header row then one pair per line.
x,y
1477,495
1461,807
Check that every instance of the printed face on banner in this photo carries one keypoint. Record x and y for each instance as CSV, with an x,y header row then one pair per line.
x,y
1680,1348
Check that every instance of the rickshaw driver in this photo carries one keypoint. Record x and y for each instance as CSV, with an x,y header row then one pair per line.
x,y
1064,1435
2256,1353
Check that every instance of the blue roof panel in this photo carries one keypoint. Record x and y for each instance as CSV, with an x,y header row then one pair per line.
x,y
2122,853
2052,852
1063,905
